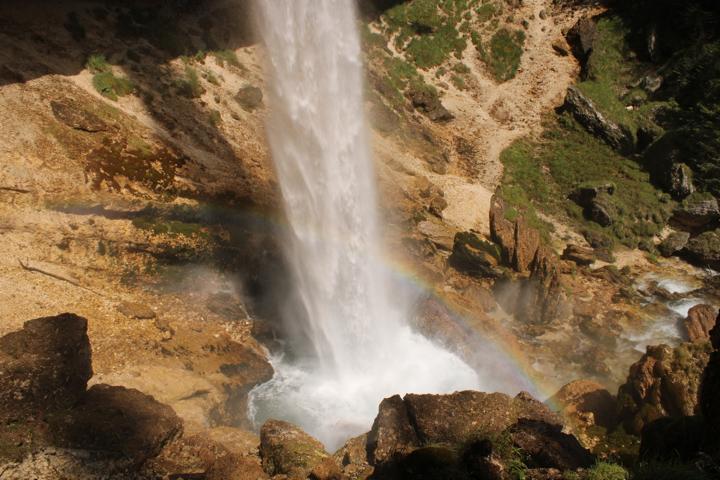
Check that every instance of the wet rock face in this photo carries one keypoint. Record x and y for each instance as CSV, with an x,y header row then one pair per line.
x,y
699,322
663,383
45,365
583,109
287,450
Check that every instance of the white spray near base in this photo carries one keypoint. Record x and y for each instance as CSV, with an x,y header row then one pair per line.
x,y
362,348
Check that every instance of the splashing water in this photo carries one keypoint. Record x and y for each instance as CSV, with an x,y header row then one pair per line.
x,y
361,347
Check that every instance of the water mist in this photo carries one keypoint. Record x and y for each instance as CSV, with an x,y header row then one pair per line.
x,y
361,348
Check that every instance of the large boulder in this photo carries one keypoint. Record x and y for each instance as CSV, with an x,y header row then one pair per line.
x,y
519,243
704,250
699,322
663,383
475,256
697,212
287,450
664,159
579,255
581,38
673,243
467,435
44,366
619,137
586,402
596,201
118,420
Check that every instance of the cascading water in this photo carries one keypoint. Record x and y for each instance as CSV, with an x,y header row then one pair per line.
x,y
354,320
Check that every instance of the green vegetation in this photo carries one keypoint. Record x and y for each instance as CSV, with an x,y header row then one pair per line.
x,y
112,87
228,57
539,175
429,31
215,117
105,81
189,85
607,471
506,49
97,63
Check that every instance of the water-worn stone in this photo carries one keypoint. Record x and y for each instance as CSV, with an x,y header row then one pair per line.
x,y
663,383
673,243
587,114
44,366
287,450
699,322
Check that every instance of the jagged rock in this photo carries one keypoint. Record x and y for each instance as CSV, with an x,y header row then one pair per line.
x,y
119,420
136,310
583,109
698,211
249,98
519,243
44,366
704,249
546,446
527,243
596,202
475,256
428,102
579,255
76,117
287,450
699,322
581,38
680,183
673,243
585,402
663,383
392,432
353,457
438,233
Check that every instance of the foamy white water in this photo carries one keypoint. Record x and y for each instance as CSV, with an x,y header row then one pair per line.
x,y
361,347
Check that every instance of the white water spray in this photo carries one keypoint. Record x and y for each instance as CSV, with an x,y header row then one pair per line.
x,y
362,348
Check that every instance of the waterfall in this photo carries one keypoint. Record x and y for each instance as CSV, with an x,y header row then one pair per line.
x,y
352,319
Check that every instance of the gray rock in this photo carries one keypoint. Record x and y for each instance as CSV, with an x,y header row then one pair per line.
x,y
428,103
674,242
579,255
586,113
704,250
136,310
697,211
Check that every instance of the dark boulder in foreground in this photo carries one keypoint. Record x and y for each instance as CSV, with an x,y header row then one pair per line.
x,y
286,450
44,366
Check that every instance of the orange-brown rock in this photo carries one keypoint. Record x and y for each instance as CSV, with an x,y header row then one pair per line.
x,y
663,383
527,242
585,402
699,322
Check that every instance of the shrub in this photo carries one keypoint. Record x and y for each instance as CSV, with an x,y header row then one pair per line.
x,y
607,471
97,63
506,49
189,86
112,87
226,56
